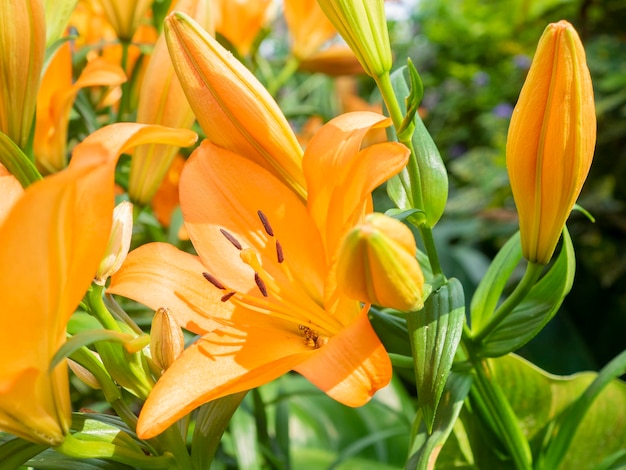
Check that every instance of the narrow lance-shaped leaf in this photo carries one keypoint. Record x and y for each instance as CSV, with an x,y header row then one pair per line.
x,y
537,309
435,333
432,172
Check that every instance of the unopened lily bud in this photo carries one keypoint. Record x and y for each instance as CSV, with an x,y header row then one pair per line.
x,y
84,375
166,339
363,25
23,44
377,264
551,140
119,242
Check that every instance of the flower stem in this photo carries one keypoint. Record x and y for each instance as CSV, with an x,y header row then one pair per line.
x,y
99,310
533,271
415,191
285,74
499,412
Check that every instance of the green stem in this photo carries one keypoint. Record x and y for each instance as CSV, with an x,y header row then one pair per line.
x,y
501,415
431,250
533,271
99,310
290,67
395,112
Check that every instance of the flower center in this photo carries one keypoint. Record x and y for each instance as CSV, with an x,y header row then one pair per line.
x,y
282,296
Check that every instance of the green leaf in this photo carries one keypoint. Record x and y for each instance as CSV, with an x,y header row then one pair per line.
x,y
426,446
86,338
435,332
537,398
538,307
569,421
17,162
343,434
211,422
243,438
490,288
15,452
430,169
405,132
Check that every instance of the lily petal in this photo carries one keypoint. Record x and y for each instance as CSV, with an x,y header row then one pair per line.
x,y
63,222
11,191
335,150
160,275
109,142
237,189
352,366
219,364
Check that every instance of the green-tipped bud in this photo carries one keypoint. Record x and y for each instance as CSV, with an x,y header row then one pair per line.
x,y
363,26
166,339
119,242
377,264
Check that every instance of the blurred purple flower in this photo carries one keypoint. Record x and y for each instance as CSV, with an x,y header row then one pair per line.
x,y
503,110
522,61
481,78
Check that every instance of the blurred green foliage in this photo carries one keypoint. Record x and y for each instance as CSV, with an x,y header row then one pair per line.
x,y
473,57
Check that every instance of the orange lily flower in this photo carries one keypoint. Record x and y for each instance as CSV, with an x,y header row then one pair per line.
x,y
240,21
233,108
51,243
54,104
551,139
308,26
162,101
271,303
23,43
335,60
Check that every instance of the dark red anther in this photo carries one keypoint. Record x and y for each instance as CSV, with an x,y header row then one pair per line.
x,y
231,239
260,284
266,224
279,252
214,281
227,296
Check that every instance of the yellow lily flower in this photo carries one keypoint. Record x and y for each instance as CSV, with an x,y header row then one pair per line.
x,y
54,104
162,101
240,21
308,26
23,43
51,243
125,15
232,107
551,139
262,292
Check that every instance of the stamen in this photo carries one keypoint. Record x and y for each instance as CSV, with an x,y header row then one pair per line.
x,y
228,296
312,338
279,252
213,281
231,239
266,224
260,284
